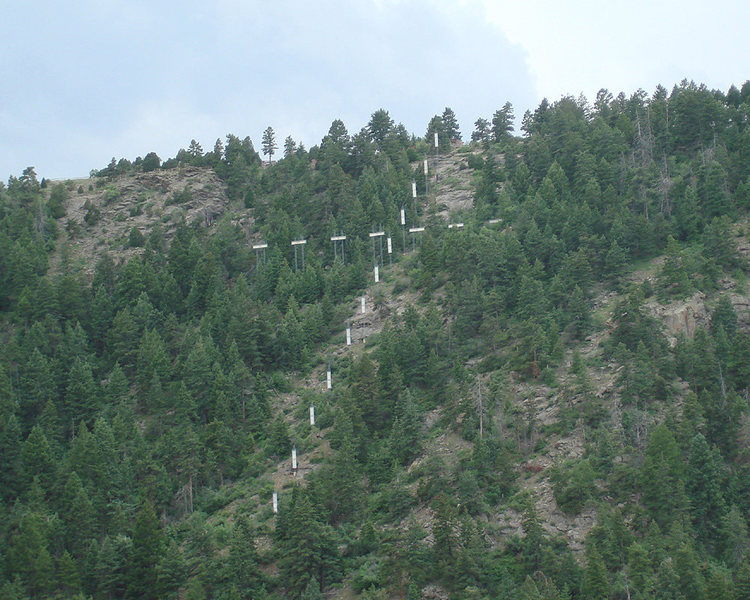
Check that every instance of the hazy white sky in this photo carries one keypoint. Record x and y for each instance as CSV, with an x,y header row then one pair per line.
x,y
92,79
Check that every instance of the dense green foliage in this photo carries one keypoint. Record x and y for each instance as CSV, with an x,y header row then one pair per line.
x,y
148,411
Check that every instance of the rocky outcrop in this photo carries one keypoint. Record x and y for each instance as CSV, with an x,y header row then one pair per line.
x,y
681,318
138,200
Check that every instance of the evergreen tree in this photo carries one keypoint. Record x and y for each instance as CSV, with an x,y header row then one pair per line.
x,y
662,477
111,566
37,387
379,126
37,459
308,549
78,516
406,434
639,571
445,532
691,581
707,506
123,340
595,584
502,123
481,131
29,556
145,555
11,466
67,574
450,125
81,395
312,591
719,585
153,362
269,143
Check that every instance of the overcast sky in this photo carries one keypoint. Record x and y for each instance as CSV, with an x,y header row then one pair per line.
x,y
83,81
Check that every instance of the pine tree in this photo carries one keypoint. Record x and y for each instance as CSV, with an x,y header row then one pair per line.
x,y
444,529
152,362
194,149
639,570
529,590
12,590
269,143
312,591
481,131
379,126
37,459
123,340
707,506
667,584
719,585
450,125
37,387
308,548
713,191
67,574
110,570
502,123
29,557
533,540
198,375
11,464
406,434
77,514
196,590
724,316
81,396
340,485
145,556
595,584
243,561
117,390
662,477
691,582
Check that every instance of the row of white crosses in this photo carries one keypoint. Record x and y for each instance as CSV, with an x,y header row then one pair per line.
x,y
363,299
339,242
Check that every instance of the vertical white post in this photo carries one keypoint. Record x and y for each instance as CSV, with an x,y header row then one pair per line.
x,y
363,300
425,166
403,217
348,335
312,414
328,378
294,458
413,189
436,140
275,501
377,274
390,246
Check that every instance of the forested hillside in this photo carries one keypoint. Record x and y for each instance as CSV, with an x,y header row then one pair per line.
x,y
545,395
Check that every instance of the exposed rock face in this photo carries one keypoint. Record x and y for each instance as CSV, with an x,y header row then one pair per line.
x,y
138,200
742,308
434,592
681,318
450,184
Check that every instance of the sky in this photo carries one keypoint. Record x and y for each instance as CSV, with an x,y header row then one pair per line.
x,y
87,80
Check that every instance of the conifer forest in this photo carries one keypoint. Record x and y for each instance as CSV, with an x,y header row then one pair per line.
x,y
519,371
